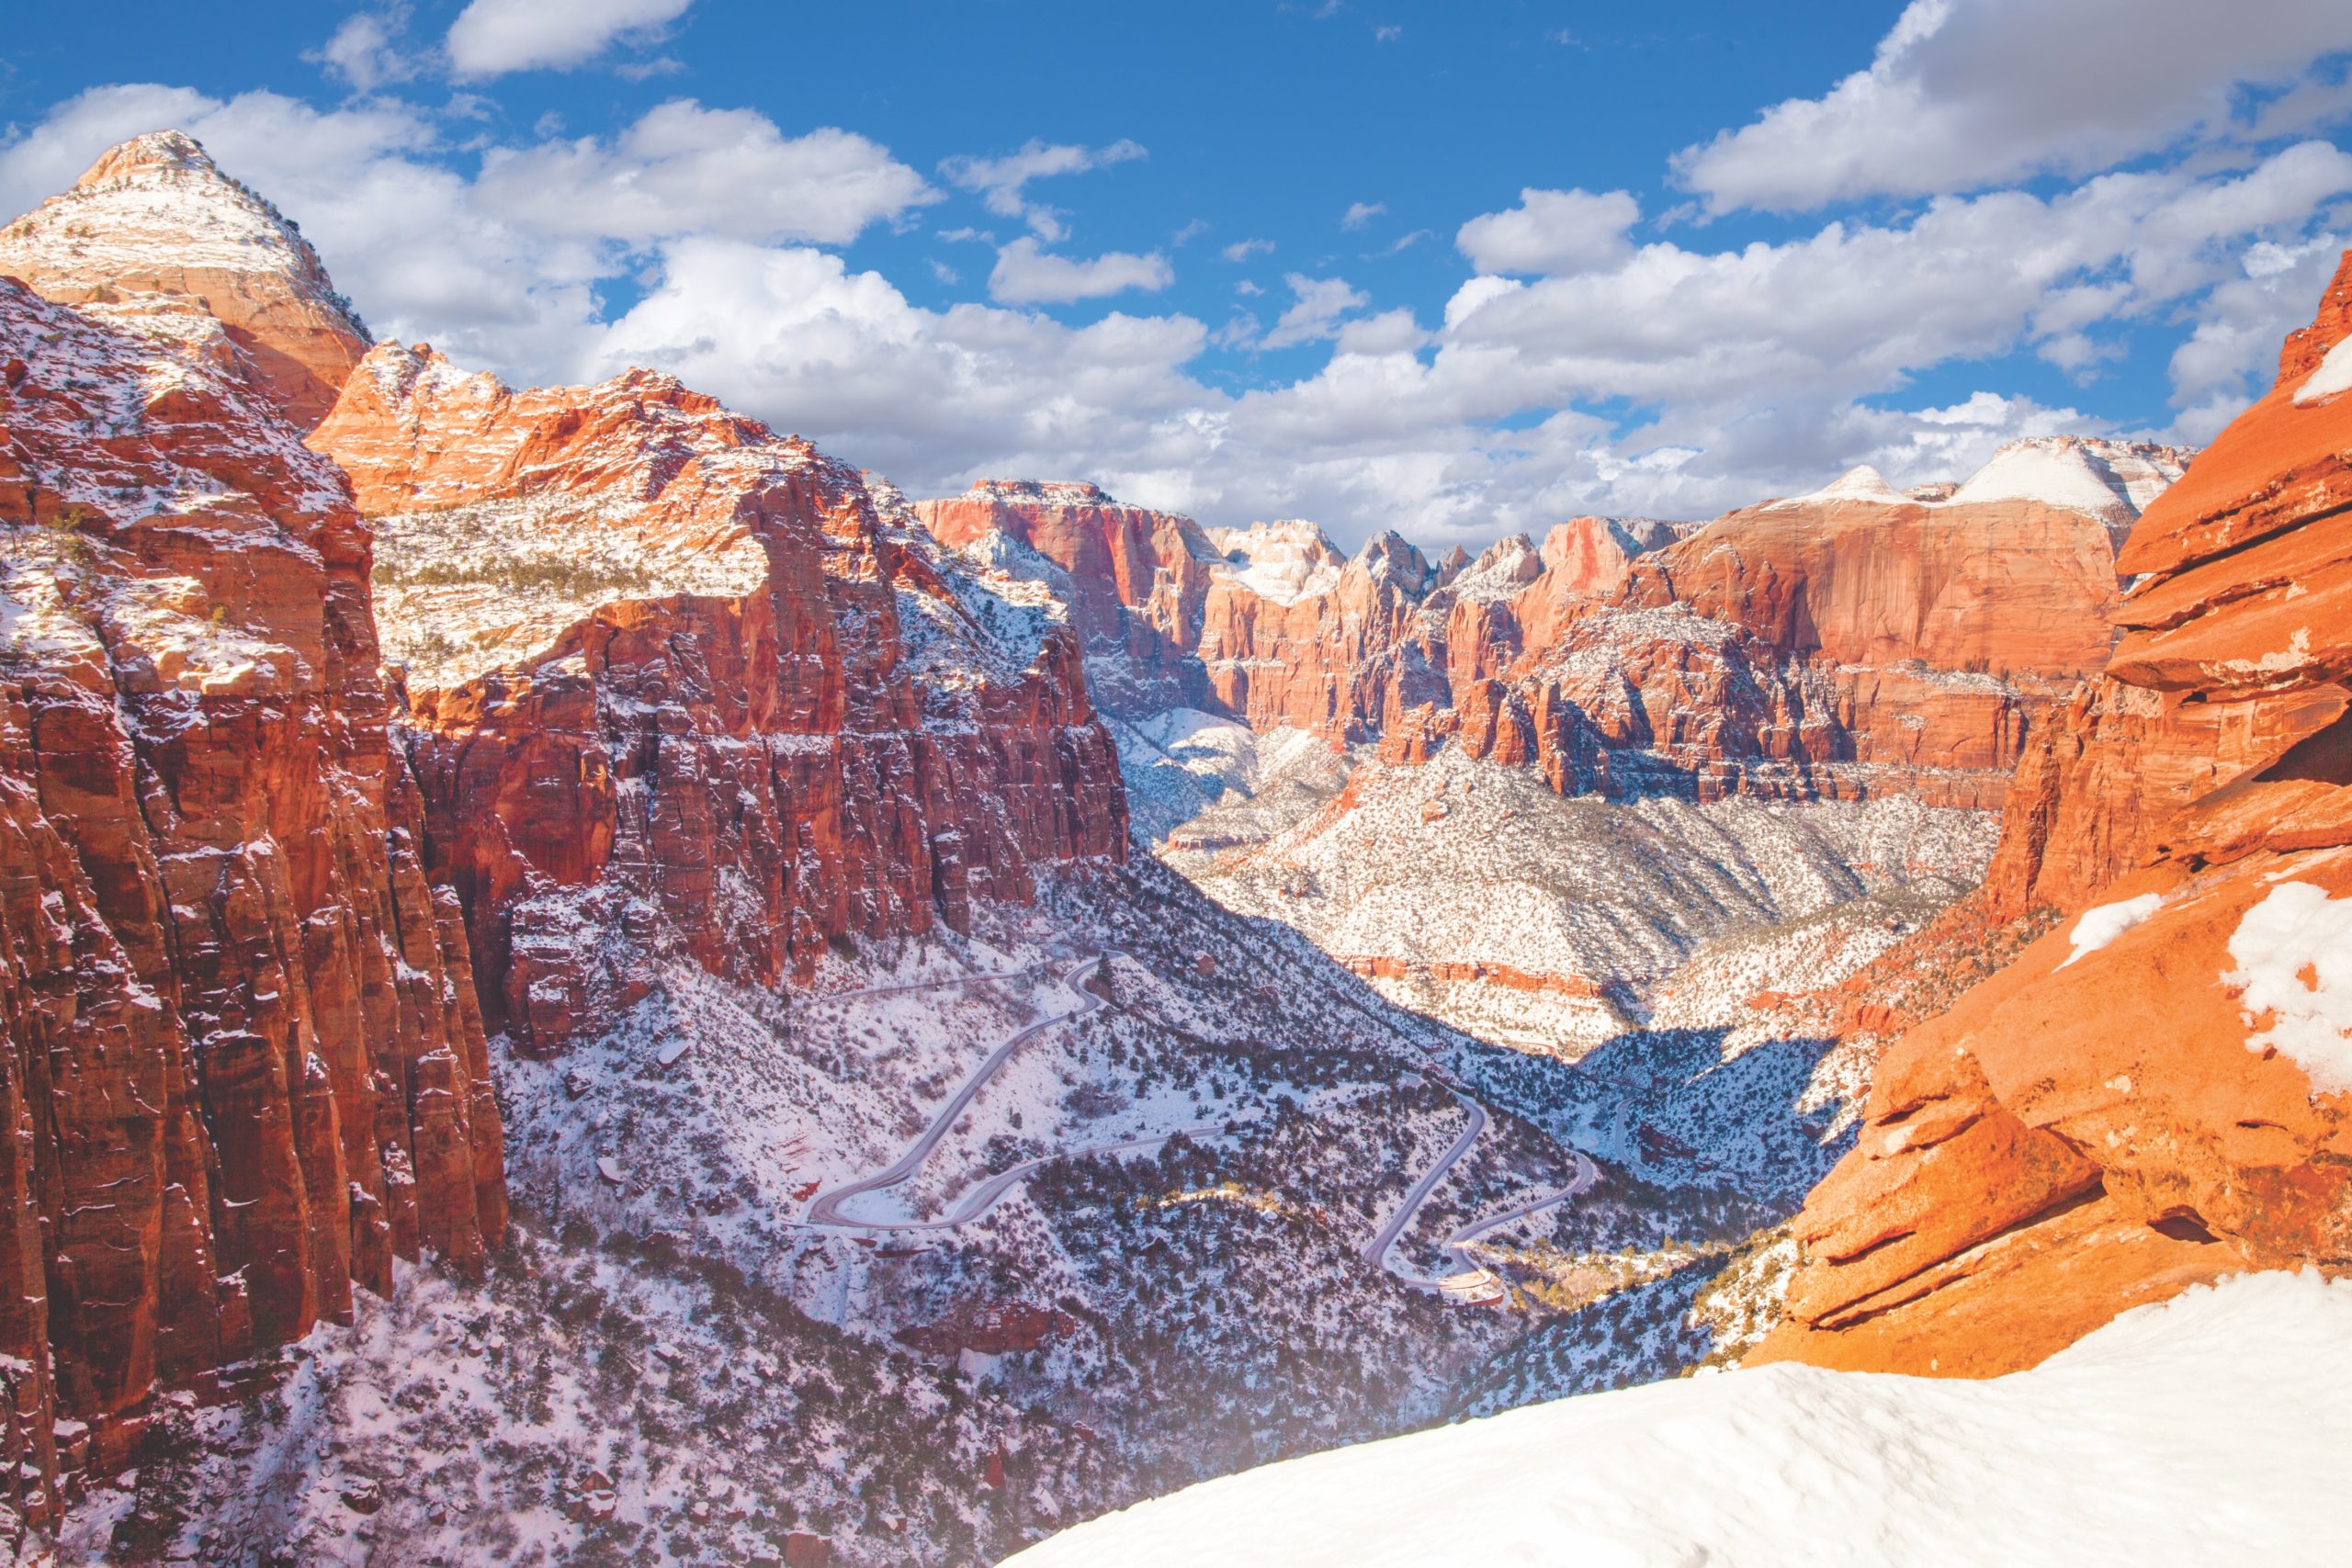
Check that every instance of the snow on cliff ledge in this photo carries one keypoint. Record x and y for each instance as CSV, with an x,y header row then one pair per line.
x,y
2213,1428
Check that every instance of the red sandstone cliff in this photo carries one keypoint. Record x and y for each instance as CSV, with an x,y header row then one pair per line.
x,y
155,216
245,1071
1852,642
2159,1090
681,690
1135,580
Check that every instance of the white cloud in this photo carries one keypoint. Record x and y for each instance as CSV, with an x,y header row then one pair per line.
x,y
1024,275
1242,249
929,397
1756,370
1001,183
1551,232
1360,213
1391,331
491,38
364,53
1963,93
1852,309
686,169
1321,303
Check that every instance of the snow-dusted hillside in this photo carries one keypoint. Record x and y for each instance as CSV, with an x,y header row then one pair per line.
x,y
2208,1429
1081,1202
1472,892
1211,783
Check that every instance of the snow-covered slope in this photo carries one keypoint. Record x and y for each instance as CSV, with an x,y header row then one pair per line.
x,y
2209,1429
1472,891
2112,480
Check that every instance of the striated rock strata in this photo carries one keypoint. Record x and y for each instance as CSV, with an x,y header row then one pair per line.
x,y
2160,1090
683,688
245,1071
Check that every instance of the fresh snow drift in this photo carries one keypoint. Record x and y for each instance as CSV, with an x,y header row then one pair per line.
x,y
2333,376
2103,923
2212,1428
2294,955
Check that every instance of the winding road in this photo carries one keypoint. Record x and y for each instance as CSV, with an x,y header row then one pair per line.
x,y
1376,1250
824,1211
902,986
825,1208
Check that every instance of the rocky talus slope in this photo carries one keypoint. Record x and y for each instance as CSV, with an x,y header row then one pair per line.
x,y
2156,1093
677,685
245,1071
157,216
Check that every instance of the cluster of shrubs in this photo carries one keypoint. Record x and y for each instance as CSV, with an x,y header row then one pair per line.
x,y
566,577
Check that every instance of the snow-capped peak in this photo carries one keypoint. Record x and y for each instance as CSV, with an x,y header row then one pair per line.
x,y
1284,561
1861,483
2112,480
2054,472
155,205
1501,570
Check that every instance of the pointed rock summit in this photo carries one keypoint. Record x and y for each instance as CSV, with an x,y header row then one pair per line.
x,y
156,217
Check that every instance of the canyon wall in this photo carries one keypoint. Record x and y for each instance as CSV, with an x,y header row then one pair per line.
x,y
2160,1090
650,686
245,1070
1855,642
680,689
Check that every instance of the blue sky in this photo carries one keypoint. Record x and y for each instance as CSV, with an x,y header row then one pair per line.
x,y
1456,269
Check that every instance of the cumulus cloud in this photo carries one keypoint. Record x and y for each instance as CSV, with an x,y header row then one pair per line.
x,y
930,397
1360,213
1026,274
1001,182
1321,301
1242,249
1963,93
1551,232
1852,309
686,169
491,38
366,51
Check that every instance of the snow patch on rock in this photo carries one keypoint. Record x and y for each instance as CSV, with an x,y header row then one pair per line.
x,y
1284,561
2104,923
2294,956
2333,376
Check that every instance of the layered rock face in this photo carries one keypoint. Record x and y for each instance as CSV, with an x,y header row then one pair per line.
x,y
1135,580
2161,1089
680,690
1854,642
155,216
245,1069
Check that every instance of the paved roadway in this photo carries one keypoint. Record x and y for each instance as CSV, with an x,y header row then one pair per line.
x,y
824,1211
825,1208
